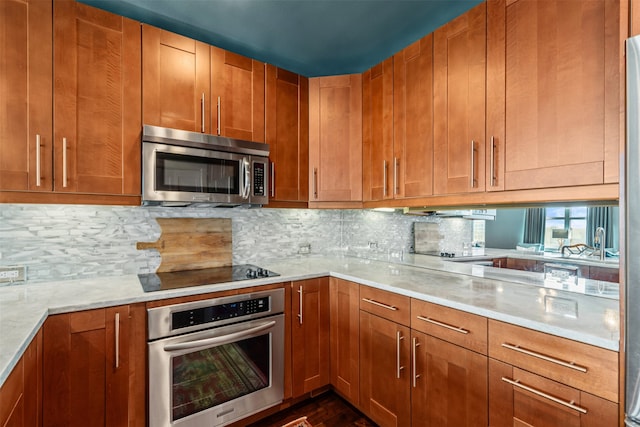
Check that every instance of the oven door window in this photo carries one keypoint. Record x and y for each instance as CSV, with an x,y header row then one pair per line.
x,y
177,172
209,377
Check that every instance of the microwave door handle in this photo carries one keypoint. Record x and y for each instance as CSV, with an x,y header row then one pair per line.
x,y
247,178
222,339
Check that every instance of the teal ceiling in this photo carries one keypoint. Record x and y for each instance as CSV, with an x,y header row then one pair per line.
x,y
310,37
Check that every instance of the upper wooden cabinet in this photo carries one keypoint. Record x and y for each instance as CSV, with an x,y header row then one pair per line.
x,y
287,133
379,172
459,60
26,144
88,145
554,92
175,81
413,119
237,95
96,101
335,138
192,86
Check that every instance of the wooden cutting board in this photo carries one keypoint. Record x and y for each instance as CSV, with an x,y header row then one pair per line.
x,y
192,243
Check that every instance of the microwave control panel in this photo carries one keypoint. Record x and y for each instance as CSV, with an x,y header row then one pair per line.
x,y
259,174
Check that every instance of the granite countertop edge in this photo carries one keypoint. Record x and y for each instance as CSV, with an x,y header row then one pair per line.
x,y
24,308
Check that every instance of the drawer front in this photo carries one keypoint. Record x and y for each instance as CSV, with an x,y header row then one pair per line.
x,y
458,327
578,365
385,304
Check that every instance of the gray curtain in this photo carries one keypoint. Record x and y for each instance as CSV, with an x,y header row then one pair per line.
x,y
600,216
534,225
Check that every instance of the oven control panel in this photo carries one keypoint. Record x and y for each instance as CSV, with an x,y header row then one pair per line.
x,y
216,313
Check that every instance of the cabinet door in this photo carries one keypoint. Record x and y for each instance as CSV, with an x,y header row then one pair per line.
x,y
459,103
385,394
25,95
96,101
287,133
310,335
176,81
560,71
335,138
449,384
379,173
521,398
237,96
413,119
345,332
86,368
21,393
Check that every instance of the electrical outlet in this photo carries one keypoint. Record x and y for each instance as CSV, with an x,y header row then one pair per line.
x,y
304,248
373,245
13,274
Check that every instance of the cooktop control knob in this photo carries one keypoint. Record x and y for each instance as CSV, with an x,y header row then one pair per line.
x,y
252,274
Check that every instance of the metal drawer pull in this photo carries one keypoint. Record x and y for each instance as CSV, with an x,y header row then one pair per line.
x,y
315,183
396,190
444,325
273,179
570,365
416,375
379,304
571,405
399,368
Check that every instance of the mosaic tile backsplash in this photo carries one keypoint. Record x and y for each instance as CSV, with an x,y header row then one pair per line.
x,y
59,242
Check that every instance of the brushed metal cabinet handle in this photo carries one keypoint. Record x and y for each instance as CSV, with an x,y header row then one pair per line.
x,y
492,164
443,325
315,183
379,304
301,302
384,178
202,110
399,368
38,160
273,179
117,334
395,176
416,375
570,404
560,362
64,162
473,166
219,108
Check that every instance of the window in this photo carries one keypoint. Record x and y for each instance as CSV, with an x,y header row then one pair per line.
x,y
573,219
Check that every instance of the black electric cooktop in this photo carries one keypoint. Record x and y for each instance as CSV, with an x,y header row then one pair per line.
x,y
208,276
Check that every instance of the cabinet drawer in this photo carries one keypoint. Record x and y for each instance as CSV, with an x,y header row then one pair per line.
x,y
578,365
386,304
458,327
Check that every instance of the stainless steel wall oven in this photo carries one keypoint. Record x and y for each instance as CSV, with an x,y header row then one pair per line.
x,y
216,361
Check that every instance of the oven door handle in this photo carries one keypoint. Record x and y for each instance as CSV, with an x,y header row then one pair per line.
x,y
222,339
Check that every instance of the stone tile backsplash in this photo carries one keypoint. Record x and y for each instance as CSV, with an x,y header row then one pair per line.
x,y
59,242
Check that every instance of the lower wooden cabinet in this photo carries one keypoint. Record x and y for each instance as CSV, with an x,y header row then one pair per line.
x,y
449,384
90,369
310,335
521,398
21,394
385,394
345,332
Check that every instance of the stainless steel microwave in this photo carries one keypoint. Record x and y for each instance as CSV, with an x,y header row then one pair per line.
x,y
181,168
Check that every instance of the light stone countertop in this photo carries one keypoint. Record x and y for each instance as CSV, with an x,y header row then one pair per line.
x,y
520,298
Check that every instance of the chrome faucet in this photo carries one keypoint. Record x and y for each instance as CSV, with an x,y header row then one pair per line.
x,y
600,240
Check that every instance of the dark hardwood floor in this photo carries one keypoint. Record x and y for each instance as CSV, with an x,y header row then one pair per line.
x,y
326,410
